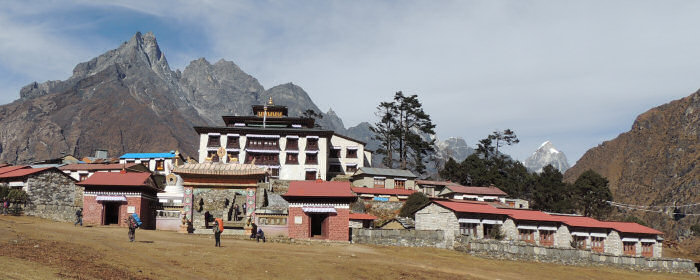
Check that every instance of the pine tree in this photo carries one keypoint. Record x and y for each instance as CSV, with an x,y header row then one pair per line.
x,y
384,131
591,194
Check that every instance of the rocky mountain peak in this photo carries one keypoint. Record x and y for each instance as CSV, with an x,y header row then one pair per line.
x,y
544,155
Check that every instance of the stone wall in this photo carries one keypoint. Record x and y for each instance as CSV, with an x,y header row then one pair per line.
x,y
434,217
399,237
527,252
54,196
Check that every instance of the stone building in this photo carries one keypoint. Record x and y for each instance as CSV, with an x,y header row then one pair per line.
x,y
51,193
382,194
319,210
215,190
384,178
479,220
292,148
361,220
110,197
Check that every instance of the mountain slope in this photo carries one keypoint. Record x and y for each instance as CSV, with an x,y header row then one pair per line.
x,y
129,100
546,154
656,163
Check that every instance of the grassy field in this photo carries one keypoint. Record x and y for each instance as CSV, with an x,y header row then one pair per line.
x,y
39,249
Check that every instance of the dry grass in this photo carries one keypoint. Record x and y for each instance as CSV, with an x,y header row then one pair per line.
x,y
39,249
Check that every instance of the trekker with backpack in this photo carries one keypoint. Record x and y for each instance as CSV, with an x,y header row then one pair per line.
x,y
218,229
79,217
133,222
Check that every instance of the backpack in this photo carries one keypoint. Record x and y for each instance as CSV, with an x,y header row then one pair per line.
x,y
221,224
136,220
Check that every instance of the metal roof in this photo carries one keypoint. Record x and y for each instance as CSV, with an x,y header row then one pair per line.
x,y
385,172
147,155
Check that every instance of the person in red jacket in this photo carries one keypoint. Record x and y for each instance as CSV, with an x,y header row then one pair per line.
x,y
218,228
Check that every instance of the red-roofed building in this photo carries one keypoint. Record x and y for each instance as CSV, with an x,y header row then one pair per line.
x,y
81,171
51,193
361,220
478,219
110,197
319,210
382,194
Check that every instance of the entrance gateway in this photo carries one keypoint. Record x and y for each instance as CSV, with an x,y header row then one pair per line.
x,y
318,222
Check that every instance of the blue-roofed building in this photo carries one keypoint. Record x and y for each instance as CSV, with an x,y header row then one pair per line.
x,y
158,163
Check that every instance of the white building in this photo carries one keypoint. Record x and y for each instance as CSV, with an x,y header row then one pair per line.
x,y
158,163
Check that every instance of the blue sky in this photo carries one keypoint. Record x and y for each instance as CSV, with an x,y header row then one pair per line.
x,y
573,72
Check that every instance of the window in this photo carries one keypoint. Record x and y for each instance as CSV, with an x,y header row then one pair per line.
x,y
335,168
292,144
630,248
648,249
145,162
546,238
310,175
399,184
275,172
82,177
311,158
351,153
160,165
335,152
598,244
351,168
263,158
312,144
214,141
292,158
468,229
212,156
379,182
232,142
580,242
526,235
232,156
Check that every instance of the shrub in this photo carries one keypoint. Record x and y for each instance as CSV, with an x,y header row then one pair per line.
x,y
496,233
414,202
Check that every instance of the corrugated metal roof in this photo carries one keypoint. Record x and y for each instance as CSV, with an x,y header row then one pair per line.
x,y
23,172
362,216
319,189
386,172
147,155
476,190
134,179
97,166
12,168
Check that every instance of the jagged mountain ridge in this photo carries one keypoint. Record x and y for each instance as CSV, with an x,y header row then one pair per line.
x,y
655,163
129,100
544,155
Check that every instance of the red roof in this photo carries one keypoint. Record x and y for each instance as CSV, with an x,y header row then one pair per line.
x,y
468,207
362,216
9,168
580,221
361,190
477,190
530,215
319,189
97,166
135,179
631,228
22,172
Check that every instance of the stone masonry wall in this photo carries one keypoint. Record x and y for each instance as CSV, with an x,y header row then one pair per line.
x,y
434,217
519,251
54,196
400,237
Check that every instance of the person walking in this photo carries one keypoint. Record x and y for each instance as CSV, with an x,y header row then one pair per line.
x,y
217,232
79,217
245,209
131,222
235,212
254,230
261,235
5,205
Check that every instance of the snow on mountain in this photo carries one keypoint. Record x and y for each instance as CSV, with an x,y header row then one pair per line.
x,y
544,155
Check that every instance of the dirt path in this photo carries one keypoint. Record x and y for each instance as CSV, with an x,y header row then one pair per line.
x,y
38,249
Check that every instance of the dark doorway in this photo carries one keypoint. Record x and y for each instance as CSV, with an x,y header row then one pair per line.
x,y
317,221
111,213
310,175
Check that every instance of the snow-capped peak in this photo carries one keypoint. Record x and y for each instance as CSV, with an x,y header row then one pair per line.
x,y
544,155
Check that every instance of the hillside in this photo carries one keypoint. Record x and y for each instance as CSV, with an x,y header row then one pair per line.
x,y
129,100
655,163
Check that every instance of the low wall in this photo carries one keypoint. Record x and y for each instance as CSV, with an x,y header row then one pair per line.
x,y
396,237
168,223
518,251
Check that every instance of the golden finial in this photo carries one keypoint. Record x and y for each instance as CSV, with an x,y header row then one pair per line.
x,y
269,101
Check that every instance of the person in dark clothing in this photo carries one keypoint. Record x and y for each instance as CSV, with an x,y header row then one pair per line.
x,y
79,217
217,233
260,235
235,212
254,230
131,222
245,209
